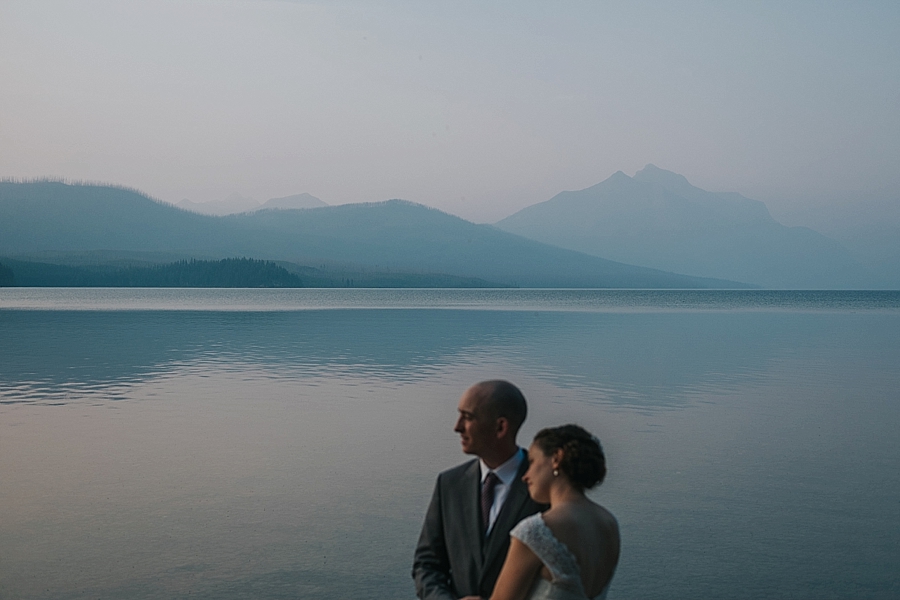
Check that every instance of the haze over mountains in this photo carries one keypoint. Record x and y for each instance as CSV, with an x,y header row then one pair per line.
x,y
41,219
658,219
235,204
651,230
867,223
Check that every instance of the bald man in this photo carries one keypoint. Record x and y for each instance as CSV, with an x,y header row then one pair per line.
x,y
465,536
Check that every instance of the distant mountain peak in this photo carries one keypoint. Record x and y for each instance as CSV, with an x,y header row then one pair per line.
x,y
303,200
617,180
234,203
668,179
657,219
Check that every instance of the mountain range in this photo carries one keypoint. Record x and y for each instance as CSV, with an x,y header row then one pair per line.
x,y
44,218
654,229
658,219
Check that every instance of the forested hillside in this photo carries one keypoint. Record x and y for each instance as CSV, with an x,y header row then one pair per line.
x,y
229,272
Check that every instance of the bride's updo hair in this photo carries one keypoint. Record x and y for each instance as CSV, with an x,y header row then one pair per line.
x,y
582,460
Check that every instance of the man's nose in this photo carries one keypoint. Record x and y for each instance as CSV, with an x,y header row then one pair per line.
x,y
458,428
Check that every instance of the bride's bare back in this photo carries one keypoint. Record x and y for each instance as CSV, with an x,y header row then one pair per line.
x,y
591,534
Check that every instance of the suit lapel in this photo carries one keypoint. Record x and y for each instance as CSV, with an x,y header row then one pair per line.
x,y
472,510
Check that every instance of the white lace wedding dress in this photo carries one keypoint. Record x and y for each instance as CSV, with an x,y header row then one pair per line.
x,y
559,560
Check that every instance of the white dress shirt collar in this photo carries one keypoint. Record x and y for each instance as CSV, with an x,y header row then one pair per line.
x,y
507,471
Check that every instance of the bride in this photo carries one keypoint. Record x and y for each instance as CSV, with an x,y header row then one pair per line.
x,y
570,551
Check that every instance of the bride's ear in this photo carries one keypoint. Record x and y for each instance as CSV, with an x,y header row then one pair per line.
x,y
557,458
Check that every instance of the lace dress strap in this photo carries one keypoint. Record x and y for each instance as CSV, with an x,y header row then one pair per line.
x,y
556,556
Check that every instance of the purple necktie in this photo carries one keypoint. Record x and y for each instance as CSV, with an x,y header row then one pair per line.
x,y
487,499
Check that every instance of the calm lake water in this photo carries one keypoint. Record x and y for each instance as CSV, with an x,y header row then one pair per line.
x,y
284,443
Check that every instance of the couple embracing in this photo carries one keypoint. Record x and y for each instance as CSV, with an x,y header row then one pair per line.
x,y
514,524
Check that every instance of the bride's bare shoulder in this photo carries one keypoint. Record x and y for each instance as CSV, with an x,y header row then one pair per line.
x,y
604,516
572,524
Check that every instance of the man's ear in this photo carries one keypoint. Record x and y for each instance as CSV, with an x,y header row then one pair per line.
x,y
502,428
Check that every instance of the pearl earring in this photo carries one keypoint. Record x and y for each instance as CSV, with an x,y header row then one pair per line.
x,y
556,472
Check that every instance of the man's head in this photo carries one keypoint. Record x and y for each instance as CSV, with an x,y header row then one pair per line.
x,y
490,415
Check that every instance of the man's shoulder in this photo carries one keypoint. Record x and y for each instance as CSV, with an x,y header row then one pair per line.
x,y
458,472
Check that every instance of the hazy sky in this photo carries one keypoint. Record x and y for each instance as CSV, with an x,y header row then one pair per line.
x,y
477,108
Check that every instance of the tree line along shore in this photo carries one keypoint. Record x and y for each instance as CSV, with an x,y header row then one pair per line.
x,y
225,273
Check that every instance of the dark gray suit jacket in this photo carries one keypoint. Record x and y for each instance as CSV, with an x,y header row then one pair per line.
x,y
453,558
